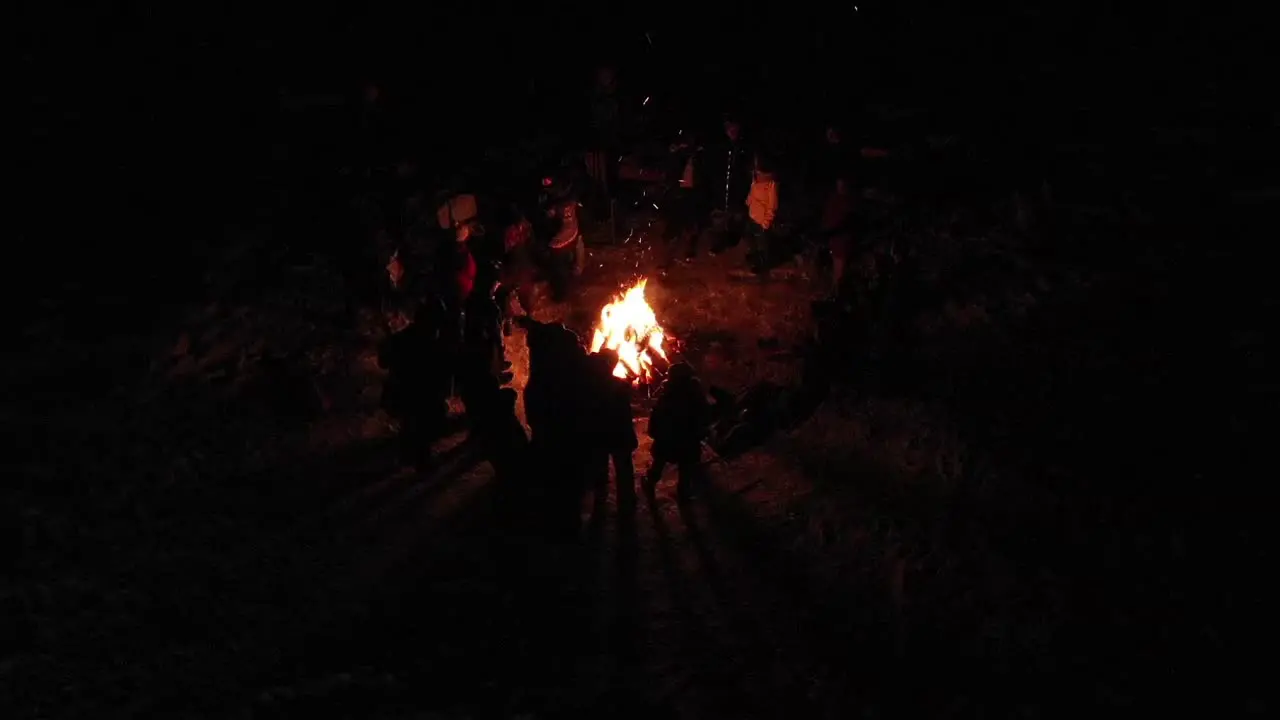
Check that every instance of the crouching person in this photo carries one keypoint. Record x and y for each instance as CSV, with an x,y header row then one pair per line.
x,y
678,426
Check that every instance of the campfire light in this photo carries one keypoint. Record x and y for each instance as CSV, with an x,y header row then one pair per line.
x,y
628,326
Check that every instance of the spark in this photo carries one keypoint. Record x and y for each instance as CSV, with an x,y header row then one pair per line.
x,y
655,206
646,100
646,36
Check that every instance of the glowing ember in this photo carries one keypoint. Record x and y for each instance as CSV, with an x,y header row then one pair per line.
x,y
628,326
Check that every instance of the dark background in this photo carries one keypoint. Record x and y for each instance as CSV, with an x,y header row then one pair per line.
x,y
154,134
131,96
155,137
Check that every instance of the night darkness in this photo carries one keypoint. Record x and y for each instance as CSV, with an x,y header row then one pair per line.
x,y
958,416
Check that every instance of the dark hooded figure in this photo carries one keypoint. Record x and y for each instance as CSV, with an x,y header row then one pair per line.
x,y
482,365
554,402
416,391
729,171
501,440
682,199
610,426
678,426
500,435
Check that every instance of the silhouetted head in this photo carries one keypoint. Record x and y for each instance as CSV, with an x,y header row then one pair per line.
x,y
605,361
548,343
732,128
604,77
681,372
505,401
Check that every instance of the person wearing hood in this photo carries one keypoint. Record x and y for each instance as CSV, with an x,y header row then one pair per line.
x,y
762,207
555,405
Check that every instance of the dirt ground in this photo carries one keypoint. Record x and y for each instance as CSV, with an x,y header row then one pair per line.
x,y
226,537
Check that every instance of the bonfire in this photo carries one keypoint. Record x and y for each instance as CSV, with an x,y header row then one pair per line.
x,y
628,326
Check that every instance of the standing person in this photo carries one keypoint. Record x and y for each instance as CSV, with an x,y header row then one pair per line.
x,y
729,174
837,228
602,152
518,268
678,426
681,200
762,206
481,366
555,405
609,424
457,269
417,387
834,161
500,436
567,252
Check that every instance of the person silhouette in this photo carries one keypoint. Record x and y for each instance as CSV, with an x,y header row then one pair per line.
x,y
416,391
678,425
611,428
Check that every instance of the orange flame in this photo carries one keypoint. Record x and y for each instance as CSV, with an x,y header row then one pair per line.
x,y
628,325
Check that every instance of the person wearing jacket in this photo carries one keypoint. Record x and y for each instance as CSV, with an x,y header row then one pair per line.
x,y
456,268
837,228
518,267
762,206
602,156
681,200
418,362
729,174
678,425
567,252
609,425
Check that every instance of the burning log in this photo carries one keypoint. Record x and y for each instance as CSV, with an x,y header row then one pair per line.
x,y
629,326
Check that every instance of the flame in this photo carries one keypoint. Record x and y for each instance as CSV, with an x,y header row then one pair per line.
x,y
628,325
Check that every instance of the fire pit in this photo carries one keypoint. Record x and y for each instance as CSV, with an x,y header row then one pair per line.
x,y
629,326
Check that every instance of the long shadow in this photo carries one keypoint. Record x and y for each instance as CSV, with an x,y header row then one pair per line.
x,y
433,613
842,628
710,681
628,630
416,491
384,489
748,420
751,640
320,481
706,559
